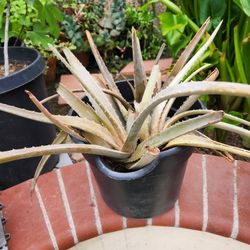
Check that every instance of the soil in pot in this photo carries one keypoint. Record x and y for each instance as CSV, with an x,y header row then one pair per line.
x,y
13,67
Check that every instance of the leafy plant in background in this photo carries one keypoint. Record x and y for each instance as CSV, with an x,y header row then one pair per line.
x,y
33,22
233,42
104,18
110,23
143,20
178,29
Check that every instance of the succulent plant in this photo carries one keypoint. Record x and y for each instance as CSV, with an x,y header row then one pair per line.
x,y
113,20
134,133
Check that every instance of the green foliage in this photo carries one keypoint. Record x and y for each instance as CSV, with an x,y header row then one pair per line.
x,y
173,26
232,43
34,22
143,20
215,9
73,31
110,24
244,5
236,114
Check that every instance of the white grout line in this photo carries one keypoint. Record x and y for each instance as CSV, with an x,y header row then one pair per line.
x,y
149,222
235,226
66,206
46,219
124,223
93,200
204,193
177,214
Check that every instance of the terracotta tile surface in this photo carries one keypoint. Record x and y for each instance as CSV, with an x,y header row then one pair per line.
x,y
190,201
167,219
136,223
243,183
51,195
164,64
25,221
91,216
220,196
77,190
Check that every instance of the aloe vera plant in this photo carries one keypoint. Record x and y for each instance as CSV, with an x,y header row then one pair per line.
x,y
134,133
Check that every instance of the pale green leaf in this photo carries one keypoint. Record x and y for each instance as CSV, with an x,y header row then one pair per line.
x,y
140,79
17,154
202,142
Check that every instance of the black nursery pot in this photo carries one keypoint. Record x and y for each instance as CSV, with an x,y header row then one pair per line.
x,y
17,132
149,191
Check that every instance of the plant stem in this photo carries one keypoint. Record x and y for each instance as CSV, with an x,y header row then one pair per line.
x,y
6,39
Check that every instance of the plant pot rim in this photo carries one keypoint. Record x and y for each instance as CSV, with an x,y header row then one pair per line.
x,y
25,75
102,164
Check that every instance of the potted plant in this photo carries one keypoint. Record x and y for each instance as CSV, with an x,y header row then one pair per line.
x,y
132,144
25,72
34,24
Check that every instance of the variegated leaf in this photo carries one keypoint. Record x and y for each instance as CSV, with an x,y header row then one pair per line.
x,y
192,88
177,130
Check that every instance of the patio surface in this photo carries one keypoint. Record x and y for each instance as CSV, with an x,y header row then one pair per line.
x,y
67,208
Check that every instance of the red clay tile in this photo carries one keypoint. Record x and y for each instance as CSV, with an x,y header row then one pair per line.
x,y
190,200
164,64
77,190
110,221
25,221
166,219
28,230
220,195
136,222
52,199
243,184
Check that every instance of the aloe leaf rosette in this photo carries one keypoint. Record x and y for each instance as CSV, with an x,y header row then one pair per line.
x,y
134,134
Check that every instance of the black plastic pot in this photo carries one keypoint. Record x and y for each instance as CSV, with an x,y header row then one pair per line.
x,y
17,132
146,192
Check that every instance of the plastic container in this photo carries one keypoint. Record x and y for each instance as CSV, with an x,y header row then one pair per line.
x,y
17,132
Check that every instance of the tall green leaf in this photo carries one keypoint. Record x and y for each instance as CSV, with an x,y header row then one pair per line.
x,y
214,9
